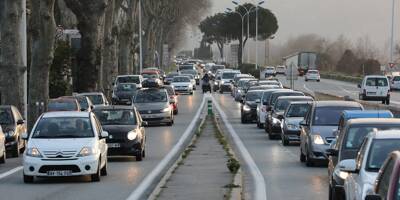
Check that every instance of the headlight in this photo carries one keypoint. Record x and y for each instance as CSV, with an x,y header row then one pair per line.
x,y
86,151
167,109
275,121
222,82
33,152
239,91
246,108
9,133
215,83
131,135
292,126
318,139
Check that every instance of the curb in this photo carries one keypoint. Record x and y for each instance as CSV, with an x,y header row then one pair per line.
x,y
149,183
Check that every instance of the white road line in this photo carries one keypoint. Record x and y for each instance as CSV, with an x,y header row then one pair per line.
x,y
260,192
305,87
11,171
151,179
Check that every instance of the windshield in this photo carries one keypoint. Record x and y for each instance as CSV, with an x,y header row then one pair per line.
x,y
61,106
96,99
116,117
298,110
192,72
150,75
172,75
228,75
6,116
189,76
329,115
83,102
253,96
312,72
181,79
274,96
376,82
63,127
128,79
378,152
152,96
126,88
183,67
282,104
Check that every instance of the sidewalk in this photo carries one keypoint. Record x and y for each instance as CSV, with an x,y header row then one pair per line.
x,y
203,173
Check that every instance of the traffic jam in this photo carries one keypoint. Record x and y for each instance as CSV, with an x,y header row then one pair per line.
x,y
78,134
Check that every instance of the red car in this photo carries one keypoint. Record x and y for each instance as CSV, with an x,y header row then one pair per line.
x,y
387,183
173,98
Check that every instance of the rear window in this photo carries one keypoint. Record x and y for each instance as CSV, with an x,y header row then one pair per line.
x,y
62,106
377,82
313,72
128,79
228,75
329,115
253,96
396,78
96,99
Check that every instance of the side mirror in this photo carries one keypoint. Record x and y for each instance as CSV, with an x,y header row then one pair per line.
x,y
258,101
280,117
359,86
24,136
373,197
332,152
104,134
21,121
348,165
144,123
303,123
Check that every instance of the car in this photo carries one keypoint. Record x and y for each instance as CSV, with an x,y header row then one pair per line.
x,y
182,84
263,105
249,106
395,83
281,70
3,150
375,87
192,80
168,79
312,74
136,79
214,68
275,114
250,83
173,98
154,106
151,74
269,71
65,103
293,115
97,98
239,89
387,183
263,87
13,126
270,82
187,66
84,103
236,80
348,142
65,144
227,80
318,127
127,136
192,72
124,93
363,171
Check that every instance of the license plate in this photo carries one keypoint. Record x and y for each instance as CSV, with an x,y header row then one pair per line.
x,y
114,145
59,173
371,92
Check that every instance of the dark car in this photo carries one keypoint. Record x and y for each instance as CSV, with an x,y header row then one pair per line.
x,y
348,143
168,79
249,106
124,93
294,114
97,98
276,113
317,130
173,98
192,72
85,103
13,126
66,103
125,128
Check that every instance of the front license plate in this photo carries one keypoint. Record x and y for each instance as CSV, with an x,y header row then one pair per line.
x,y
59,173
114,145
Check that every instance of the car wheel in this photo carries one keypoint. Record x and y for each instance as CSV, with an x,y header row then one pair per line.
x,y
387,101
318,80
306,80
309,161
270,136
220,91
103,171
96,177
285,141
139,156
302,156
243,119
258,123
3,159
176,112
191,93
15,150
28,179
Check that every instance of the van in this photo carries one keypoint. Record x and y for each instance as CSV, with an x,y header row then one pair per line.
x,y
375,87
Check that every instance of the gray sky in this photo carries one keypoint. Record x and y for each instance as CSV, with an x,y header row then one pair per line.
x,y
328,18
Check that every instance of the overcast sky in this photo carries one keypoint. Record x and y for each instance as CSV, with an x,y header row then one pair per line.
x,y
328,18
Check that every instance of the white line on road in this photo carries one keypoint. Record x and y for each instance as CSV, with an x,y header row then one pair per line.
x,y
11,171
158,172
305,87
260,192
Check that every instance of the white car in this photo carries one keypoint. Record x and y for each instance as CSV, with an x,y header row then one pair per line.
x,y
137,79
281,70
362,171
375,87
312,75
182,84
66,144
395,84
2,146
269,71
227,80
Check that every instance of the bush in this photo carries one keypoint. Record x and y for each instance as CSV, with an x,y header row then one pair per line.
x,y
247,68
341,77
233,165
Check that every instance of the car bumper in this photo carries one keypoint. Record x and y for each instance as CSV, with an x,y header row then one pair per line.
x,y
122,101
183,90
276,129
225,88
292,135
157,118
78,166
317,151
129,148
376,98
250,115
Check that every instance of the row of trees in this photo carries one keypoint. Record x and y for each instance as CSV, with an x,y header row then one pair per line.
x,y
108,45
223,28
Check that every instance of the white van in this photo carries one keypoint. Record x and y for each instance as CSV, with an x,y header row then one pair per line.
x,y
375,87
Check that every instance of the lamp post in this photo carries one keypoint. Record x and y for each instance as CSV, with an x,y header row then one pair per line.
x,y
258,5
242,18
392,33
140,38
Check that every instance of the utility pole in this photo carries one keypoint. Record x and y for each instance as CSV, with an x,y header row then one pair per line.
x,y
392,33
140,38
22,32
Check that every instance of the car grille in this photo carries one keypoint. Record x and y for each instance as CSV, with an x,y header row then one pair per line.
x,y
59,154
117,138
151,111
72,168
154,119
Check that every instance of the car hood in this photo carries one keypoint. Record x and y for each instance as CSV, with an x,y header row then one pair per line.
x,y
293,120
125,94
71,144
252,104
325,131
181,83
151,106
116,129
369,178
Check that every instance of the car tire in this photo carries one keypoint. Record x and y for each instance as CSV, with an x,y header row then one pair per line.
x,y
243,119
309,161
15,150
270,136
258,123
220,91
318,80
28,179
285,141
103,171
139,156
387,101
96,177
191,93
3,158
302,156
175,112
306,80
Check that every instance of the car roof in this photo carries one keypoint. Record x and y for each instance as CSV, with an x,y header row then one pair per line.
x,y
375,76
386,134
114,107
91,93
336,103
287,90
349,114
300,102
366,121
254,91
65,114
131,75
294,97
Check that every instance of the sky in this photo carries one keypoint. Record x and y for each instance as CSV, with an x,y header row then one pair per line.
x,y
328,18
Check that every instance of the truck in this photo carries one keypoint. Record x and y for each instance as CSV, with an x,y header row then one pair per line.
x,y
303,61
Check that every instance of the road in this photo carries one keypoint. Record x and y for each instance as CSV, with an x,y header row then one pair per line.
x,y
285,177
334,87
124,174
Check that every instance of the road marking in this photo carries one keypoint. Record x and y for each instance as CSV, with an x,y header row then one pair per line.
x,y
260,192
11,171
305,87
147,185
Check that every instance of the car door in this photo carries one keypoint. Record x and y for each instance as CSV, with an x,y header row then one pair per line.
x,y
382,86
370,86
384,178
101,141
305,131
19,128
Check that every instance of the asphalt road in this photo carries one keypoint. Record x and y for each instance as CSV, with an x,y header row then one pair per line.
x,y
285,177
334,87
124,174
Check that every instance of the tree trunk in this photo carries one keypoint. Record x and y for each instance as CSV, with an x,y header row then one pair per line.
x,y
221,49
89,14
43,35
240,52
11,58
126,46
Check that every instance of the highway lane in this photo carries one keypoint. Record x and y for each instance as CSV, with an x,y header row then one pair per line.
x,y
124,174
285,177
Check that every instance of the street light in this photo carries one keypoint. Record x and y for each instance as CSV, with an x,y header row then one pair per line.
x,y
242,18
259,3
140,38
392,33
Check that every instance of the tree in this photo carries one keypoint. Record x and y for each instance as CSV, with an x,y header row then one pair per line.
x,y
214,31
349,63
